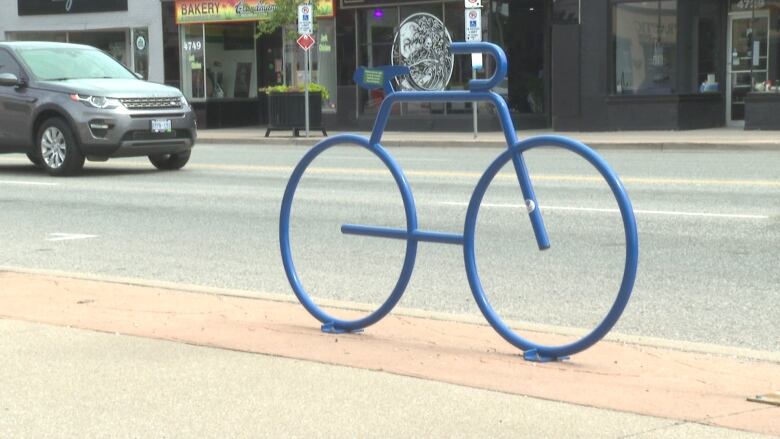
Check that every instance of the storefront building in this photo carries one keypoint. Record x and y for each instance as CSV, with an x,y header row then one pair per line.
x,y
590,65
131,31
667,64
222,63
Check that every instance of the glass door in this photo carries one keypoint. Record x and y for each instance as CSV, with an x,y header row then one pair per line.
x,y
747,63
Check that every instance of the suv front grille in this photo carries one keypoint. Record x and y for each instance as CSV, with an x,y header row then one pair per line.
x,y
148,135
151,103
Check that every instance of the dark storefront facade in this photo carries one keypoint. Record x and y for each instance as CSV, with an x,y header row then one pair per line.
x,y
668,64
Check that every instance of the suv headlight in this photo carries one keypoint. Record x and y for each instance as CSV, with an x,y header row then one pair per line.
x,y
184,103
97,101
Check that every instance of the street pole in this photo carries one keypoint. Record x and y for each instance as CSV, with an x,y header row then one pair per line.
x,y
306,92
474,104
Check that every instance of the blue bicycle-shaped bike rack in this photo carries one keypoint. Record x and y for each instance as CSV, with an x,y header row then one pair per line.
x,y
478,90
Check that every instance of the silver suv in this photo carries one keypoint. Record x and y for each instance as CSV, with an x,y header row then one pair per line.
x,y
64,103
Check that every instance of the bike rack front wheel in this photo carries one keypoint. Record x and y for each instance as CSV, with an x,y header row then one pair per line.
x,y
331,323
532,350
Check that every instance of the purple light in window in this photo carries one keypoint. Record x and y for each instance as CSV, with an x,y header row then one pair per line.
x,y
379,13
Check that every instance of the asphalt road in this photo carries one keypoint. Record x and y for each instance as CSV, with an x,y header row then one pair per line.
x,y
709,229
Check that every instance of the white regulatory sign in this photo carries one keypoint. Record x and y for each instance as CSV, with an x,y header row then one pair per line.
x,y
473,25
473,3
305,19
474,33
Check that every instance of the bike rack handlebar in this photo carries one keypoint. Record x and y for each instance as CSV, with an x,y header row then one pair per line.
x,y
382,77
461,48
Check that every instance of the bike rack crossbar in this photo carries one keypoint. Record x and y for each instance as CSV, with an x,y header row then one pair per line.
x,y
416,235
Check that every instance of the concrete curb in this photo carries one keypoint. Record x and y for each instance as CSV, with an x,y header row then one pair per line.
x,y
396,143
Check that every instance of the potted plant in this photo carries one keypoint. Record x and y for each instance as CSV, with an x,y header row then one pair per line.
x,y
287,108
286,103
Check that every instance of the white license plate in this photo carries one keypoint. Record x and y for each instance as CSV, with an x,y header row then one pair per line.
x,y
161,126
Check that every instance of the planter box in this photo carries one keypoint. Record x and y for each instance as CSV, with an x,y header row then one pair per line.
x,y
287,111
761,111
665,112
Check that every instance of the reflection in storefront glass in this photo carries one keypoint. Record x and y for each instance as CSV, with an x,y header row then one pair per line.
x,y
230,61
519,26
376,30
141,51
667,47
59,37
112,42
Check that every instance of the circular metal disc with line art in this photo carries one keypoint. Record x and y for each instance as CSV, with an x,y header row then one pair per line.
x,y
425,46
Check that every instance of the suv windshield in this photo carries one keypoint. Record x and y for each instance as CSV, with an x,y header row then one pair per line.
x,y
58,64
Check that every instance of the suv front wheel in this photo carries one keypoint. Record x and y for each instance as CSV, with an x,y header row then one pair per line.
x,y
57,148
170,162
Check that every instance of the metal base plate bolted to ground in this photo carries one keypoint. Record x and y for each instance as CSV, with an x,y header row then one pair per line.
x,y
769,398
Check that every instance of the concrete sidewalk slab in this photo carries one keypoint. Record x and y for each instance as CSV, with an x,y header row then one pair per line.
x,y
64,382
711,139
685,386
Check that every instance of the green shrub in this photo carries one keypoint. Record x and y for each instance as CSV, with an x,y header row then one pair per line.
x,y
297,89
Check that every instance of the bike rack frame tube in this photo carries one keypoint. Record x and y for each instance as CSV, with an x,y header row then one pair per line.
x,y
388,232
534,213
331,323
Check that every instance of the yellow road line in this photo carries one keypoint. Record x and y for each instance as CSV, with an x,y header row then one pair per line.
x,y
449,174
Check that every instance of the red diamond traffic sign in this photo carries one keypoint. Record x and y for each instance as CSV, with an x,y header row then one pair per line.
x,y
305,41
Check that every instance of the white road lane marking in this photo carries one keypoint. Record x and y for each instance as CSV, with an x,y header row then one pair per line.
x,y
28,183
636,211
68,236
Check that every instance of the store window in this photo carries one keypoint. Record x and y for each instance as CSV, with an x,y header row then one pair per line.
x,y
59,37
112,42
128,46
193,54
376,30
230,60
667,46
755,47
140,41
322,59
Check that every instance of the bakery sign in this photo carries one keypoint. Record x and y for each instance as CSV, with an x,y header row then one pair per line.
x,y
47,7
214,11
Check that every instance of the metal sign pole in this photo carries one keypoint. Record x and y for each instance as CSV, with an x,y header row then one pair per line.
x,y
473,16
306,92
474,104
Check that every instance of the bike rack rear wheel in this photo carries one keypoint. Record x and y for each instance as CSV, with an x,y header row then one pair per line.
x,y
331,323
533,351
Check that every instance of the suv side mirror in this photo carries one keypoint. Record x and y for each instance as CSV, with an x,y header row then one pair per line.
x,y
9,80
